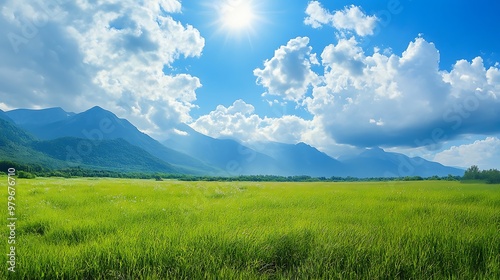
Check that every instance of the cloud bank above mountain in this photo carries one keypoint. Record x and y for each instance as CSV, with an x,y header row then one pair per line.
x,y
380,99
117,54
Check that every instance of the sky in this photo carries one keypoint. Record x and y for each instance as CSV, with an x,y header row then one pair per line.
x,y
417,77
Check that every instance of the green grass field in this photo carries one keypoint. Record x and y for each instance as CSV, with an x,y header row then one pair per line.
x,y
138,229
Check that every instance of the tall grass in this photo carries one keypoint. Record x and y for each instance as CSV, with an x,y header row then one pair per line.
x,y
138,229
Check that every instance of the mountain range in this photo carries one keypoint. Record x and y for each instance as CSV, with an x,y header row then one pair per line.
x,y
97,138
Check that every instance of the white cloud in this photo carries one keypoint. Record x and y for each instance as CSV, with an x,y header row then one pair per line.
x,y
317,16
288,73
483,153
240,121
4,107
180,132
378,123
383,99
108,53
467,78
391,100
236,121
351,18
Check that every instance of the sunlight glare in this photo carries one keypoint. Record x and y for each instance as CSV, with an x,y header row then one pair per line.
x,y
237,14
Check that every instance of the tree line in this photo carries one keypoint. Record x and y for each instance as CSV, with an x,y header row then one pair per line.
x,y
491,176
33,171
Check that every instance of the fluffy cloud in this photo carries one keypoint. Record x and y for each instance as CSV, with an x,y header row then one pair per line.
x,y
362,100
378,99
483,153
352,18
288,73
77,54
39,59
236,121
390,100
239,121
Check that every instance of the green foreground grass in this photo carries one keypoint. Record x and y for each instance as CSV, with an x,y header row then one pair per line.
x,y
138,229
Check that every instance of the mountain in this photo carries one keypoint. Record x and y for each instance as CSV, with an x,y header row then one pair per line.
x,y
97,124
12,134
27,117
20,146
99,139
15,146
376,162
272,158
109,154
301,159
226,154
4,116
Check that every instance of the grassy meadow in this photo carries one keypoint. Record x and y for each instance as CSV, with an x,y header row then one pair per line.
x,y
139,229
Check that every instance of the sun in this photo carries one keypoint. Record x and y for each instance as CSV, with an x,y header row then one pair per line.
x,y
237,15
238,20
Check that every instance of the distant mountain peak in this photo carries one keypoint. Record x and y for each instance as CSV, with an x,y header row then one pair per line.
x,y
38,116
54,109
98,110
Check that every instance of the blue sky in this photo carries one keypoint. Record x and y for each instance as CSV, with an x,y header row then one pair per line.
x,y
463,33
418,77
